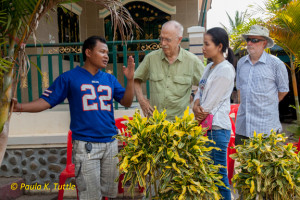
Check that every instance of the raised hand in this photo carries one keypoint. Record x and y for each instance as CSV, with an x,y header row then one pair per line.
x,y
129,70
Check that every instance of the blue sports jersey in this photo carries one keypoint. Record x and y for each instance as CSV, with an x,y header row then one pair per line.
x,y
90,101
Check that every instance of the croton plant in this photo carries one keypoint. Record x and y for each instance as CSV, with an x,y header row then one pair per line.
x,y
171,157
267,168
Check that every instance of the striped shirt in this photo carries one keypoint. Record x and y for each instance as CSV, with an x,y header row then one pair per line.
x,y
259,85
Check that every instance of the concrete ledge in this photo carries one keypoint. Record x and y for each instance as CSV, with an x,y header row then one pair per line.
x,y
45,129
37,124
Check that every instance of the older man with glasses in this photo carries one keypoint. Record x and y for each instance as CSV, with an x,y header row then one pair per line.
x,y
171,71
262,82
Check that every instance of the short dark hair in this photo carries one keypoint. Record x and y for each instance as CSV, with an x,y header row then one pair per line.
x,y
220,36
90,43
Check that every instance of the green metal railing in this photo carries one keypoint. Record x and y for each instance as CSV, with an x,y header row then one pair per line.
x,y
56,62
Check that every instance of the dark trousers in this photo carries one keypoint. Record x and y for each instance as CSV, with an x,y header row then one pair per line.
x,y
239,139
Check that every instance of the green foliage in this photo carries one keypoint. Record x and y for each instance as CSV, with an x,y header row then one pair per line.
x,y
238,21
239,25
237,43
284,27
268,169
275,5
295,127
173,154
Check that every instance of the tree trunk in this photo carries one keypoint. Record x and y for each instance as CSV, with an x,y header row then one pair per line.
x,y
4,116
6,95
295,89
3,140
5,100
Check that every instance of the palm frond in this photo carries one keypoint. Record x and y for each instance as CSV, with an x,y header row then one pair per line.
x,y
121,18
285,28
288,40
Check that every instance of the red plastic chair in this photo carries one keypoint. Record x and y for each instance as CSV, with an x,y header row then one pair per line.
x,y
297,145
69,171
230,162
120,124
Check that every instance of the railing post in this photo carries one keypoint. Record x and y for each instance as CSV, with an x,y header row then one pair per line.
x,y
115,68
196,34
125,62
29,82
60,64
50,69
147,83
71,56
39,75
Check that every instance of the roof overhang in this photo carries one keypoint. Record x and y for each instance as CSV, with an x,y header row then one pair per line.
x,y
156,3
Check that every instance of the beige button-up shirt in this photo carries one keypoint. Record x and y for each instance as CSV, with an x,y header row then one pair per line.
x,y
170,84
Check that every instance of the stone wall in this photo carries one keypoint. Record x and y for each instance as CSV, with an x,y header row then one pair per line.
x,y
35,166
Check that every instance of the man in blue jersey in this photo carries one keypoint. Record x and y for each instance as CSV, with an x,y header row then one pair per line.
x,y
90,93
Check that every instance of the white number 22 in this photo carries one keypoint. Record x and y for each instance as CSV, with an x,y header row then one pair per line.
x,y
92,96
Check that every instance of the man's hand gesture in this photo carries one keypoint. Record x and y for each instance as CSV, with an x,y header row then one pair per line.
x,y
129,70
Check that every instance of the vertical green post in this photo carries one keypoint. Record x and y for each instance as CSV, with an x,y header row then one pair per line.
x,y
40,89
125,64
115,68
147,83
19,94
60,65
29,83
81,59
50,68
136,59
71,61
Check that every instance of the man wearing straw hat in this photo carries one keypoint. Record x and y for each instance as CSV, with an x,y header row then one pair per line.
x,y
262,82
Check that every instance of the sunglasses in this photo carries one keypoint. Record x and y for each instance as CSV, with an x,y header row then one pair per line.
x,y
254,40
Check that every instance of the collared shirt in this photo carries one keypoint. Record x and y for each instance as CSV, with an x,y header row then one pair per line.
x,y
170,84
259,85
214,91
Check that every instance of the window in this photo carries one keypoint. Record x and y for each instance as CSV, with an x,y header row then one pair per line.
x,y
68,30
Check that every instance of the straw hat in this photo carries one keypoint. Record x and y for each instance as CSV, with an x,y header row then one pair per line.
x,y
257,30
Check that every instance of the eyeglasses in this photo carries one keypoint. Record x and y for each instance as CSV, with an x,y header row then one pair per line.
x,y
254,40
168,40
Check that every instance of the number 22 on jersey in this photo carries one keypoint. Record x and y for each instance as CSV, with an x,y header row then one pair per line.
x,y
93,96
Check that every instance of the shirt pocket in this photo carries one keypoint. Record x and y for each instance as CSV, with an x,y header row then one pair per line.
x,y
156,82
263,84
181,85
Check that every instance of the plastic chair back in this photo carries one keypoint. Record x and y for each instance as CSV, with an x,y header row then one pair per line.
x,y
120,124
233,110
69,171
230,162
69,151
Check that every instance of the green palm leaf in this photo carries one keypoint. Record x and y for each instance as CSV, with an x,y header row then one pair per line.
x,y
285,29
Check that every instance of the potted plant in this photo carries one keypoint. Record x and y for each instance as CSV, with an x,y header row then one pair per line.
x,y
268,169
171,157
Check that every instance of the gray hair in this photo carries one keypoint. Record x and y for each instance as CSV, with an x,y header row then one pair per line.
x,y
176,25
